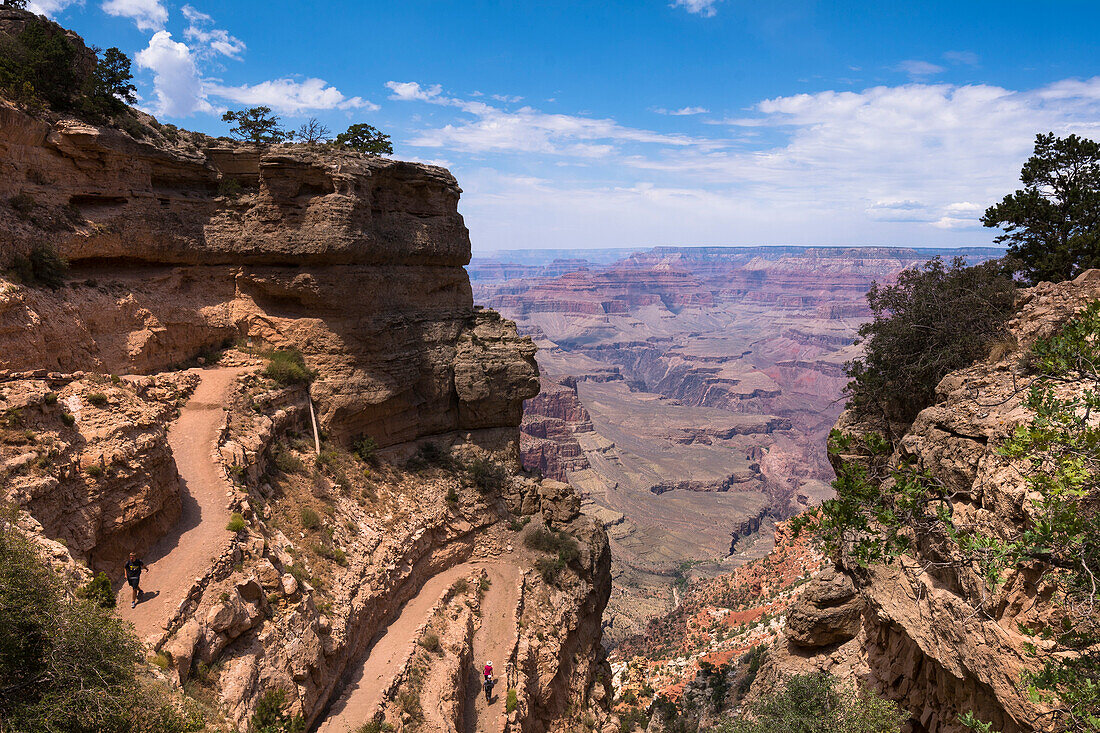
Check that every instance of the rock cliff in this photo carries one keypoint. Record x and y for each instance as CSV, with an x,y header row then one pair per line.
x,y
181,246
927,631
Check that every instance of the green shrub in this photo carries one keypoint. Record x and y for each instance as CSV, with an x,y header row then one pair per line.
x,y
817,703
511,701
286,462
68,418
452,496
309,518
932,321
42,266
94,470
366,448
375,726
551,541
431,454
409,702
488,475
98,399
271,717
98,590
563,546
65,665
287,366
236,523
430,641
23,203
50,399
229,187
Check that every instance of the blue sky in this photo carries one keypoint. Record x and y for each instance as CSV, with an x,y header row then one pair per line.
x,y
689,122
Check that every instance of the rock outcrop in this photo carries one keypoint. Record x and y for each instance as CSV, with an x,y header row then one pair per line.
x,y
933,636
355,261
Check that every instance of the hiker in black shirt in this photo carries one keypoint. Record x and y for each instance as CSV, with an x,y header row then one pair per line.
x,y
133,577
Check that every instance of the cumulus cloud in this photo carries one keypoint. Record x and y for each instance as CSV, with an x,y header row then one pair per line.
x,y
409,91
704,8
148,15
490,129
291,96
177,84
683,111
918,69
215,41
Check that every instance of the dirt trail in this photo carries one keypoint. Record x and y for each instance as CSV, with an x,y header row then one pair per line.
x,y
186,551
362,696
493,642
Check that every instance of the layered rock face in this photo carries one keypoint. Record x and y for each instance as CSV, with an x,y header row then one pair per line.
x,y
355,261
180,245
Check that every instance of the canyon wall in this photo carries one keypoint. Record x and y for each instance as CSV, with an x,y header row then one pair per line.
x,y
355,261
181,246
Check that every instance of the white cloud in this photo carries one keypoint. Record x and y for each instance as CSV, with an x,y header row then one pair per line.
x,y
148,15
213,40
683,111
290,96
704,8
527,130
918,69
408,91
914,164
968,58
508,98
51,7
176,80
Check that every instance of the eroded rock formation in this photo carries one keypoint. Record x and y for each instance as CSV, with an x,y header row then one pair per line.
x,y
179,246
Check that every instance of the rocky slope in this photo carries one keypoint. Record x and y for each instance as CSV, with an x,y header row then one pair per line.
x,y
180,245
930,634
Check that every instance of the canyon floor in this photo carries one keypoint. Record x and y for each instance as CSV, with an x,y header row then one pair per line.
x,y
687,394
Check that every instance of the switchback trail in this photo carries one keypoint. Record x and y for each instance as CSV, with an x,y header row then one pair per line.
x,y
493,642
185,553
362,696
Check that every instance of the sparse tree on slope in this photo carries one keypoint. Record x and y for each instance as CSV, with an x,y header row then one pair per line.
x,y
1052,224
365,139
255,125
21,4
313,132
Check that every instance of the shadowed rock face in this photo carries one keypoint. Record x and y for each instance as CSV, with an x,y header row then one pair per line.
x,y
356,261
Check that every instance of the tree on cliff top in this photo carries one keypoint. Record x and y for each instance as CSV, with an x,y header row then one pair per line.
x,y
255,125
365,139
1052,224
42,67
312,132
21,4
931,321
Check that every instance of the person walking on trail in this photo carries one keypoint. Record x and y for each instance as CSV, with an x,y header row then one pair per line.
x,y
134,568
489,682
